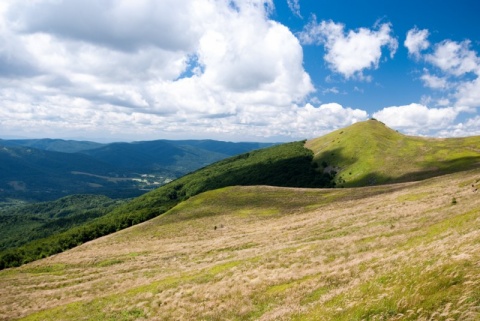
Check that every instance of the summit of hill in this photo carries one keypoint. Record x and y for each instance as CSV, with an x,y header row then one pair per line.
x,y
370,153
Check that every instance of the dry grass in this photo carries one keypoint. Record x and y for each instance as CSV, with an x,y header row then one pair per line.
x,y
397,252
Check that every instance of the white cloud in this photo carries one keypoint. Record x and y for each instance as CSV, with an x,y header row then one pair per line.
x,y
416,41
468,94
110,69
294,6
417,119
456,72
471,127
434,82
454,58
350,53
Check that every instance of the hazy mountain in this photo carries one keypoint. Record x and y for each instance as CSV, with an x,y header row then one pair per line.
x,y
55,145
46,169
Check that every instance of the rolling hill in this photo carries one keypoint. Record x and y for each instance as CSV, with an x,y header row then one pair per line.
x,y
282,165
173,158
300,164
244,239
406,251
370,153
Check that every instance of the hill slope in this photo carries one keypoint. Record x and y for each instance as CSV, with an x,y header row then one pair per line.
x,y
370,153
283,165
366,153
407,251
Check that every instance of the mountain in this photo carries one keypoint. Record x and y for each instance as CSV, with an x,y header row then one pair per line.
x,y
54,145
33,174
36,170
406,251
173,158
370,153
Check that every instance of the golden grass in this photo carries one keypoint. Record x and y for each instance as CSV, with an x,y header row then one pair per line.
x,y
395,252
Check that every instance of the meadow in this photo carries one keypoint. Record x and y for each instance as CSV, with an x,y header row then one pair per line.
x,y
405,251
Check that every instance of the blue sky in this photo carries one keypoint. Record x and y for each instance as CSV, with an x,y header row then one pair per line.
x,y
250,70
396,81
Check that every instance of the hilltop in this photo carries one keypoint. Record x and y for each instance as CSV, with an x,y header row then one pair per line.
x,y
406,251
369,153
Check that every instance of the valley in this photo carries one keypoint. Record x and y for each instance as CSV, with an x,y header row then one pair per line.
x,y
36,170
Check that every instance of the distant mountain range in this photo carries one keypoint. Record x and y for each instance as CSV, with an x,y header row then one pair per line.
x,y
46,169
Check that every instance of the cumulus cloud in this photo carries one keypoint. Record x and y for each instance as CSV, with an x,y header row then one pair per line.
x,y
416,41
468,95
454,58
149,69
453,69
417,119
350,53
433,81
467,128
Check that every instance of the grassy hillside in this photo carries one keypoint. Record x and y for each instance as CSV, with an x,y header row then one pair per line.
x,y
408,251
283,165
369,153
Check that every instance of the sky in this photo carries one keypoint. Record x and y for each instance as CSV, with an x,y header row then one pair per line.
x,y
237,70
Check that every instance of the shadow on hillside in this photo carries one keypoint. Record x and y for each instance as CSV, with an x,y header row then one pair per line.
x,y
290,172
335,159
428,170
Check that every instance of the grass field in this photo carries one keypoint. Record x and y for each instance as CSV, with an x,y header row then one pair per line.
x,y
408,251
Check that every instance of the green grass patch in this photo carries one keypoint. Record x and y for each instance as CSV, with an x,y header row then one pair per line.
x,y
413,197
407,293
109,262
458,223
54,269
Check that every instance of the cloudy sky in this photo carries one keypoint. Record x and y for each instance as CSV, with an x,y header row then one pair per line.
x,y
237,70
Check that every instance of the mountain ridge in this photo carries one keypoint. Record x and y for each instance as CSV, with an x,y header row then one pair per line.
x,y
44,169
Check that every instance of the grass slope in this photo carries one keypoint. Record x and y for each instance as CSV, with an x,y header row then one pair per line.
x,y
407,251
369,153
283,165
